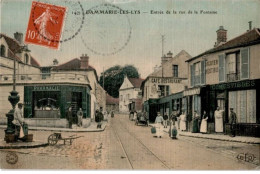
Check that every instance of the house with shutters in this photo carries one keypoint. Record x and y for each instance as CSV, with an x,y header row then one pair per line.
x,y
227,76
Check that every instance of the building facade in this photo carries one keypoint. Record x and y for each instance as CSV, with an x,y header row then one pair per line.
x,y
227,76
167,80
130,95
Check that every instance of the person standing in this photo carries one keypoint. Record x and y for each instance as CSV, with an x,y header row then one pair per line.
x,y
19,120
173,130
233,122
99,118
135,116
218,120
69,116
158,125
204,123
165,120
183,121
112,114
195,126
80,116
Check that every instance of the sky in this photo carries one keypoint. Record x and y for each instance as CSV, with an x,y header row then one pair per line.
x,y
135,39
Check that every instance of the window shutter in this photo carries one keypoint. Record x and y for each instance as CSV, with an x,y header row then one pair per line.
x,y
221,70
192,74
244,63
203,77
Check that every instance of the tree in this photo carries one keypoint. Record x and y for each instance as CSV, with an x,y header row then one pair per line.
x,y
114,78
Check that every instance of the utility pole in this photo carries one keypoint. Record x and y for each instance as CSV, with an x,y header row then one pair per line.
x,y
162,44
103,79
163,39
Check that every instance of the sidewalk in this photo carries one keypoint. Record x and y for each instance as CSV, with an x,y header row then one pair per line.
x,y
241,139
75,128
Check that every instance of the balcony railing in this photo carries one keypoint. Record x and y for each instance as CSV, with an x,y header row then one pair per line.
x,y
233,77
45,78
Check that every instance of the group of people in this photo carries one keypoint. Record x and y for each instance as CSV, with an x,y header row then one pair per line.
x,y
199,124
70,117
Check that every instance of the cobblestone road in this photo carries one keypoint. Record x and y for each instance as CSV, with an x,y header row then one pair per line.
x,y
125,146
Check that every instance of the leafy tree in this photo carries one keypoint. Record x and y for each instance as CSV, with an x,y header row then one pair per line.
x,y
114,78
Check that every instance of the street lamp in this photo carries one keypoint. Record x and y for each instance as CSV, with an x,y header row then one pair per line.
x,y
13,99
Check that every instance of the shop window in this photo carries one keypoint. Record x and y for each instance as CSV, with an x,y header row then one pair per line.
x,y
244,104
3,51
175,70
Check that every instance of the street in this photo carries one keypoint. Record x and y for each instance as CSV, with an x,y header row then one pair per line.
x,y
123,145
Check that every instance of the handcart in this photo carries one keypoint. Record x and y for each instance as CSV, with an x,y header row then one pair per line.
x,y
54,138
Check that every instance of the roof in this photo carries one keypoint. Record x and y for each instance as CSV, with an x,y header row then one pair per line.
x,y
136,82
34,62
249,38
111,100
74,64
14,47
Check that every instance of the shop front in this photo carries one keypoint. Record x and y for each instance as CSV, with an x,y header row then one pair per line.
x,y
164,105
46,105
243,97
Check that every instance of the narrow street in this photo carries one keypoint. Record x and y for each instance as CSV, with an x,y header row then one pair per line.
x,y
124,145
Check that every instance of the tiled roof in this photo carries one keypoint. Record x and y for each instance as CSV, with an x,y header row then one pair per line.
x,y
111,100
136,82
34,62
245,39
73,64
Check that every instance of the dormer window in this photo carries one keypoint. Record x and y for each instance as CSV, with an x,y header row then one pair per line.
x,y
26,58
3,50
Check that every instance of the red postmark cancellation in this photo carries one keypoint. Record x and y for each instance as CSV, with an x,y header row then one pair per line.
x,y
45,25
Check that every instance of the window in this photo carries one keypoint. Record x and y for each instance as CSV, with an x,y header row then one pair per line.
x,y
233,66
221,65
244,53
165,90
244,104
175,70
197,73
3,50
26,58
121,98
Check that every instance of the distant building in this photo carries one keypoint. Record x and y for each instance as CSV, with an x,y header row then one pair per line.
x,y
129,94
112,104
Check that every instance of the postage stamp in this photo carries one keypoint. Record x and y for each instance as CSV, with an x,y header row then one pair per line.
x,y
45,24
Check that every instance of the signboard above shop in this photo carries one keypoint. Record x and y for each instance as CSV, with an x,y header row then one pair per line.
x,y
163,80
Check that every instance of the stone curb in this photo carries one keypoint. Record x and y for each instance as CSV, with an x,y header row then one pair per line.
x,y
216,138
62,129
41,144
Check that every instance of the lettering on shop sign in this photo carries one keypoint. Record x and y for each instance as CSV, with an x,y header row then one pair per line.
x,y
244,84
211,69
46,88
165,80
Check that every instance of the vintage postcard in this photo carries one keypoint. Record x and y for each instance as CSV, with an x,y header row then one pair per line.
x,y
130,84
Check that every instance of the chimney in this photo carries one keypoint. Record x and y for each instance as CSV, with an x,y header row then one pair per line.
x,y
221,36
84,59
55,62
250,25
167,57
19,37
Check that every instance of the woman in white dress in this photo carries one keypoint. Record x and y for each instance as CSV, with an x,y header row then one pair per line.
x,y
158,125
219,120
183,121
204,123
